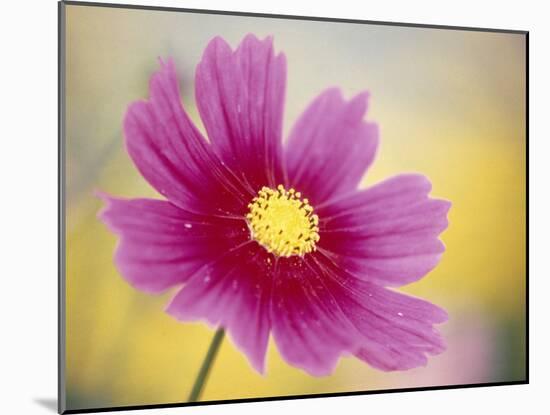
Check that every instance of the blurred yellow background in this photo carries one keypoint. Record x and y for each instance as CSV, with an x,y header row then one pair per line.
x,y
449,103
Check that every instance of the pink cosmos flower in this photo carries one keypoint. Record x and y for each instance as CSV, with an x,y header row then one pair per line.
x,y
267,238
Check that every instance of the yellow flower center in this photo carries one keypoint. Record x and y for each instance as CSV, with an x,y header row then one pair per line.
x,y
282,222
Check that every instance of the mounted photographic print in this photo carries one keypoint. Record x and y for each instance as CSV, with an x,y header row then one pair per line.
x,y
258,207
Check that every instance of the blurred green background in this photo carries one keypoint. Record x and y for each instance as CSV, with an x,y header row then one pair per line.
x,y
449,103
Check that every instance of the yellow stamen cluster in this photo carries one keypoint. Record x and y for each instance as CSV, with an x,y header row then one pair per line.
x,y
282,222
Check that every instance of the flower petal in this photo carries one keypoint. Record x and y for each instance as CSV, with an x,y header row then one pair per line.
x,y
161,245
398,329
309,328
330,147
387,234
235,293
240,97
172,155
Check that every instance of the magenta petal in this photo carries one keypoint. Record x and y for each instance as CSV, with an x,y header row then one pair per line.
x,y
240,97
386,234
330,147
233,292
172,155
161,245
309,328
398,329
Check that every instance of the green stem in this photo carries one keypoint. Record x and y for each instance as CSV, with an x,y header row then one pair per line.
x,y
206,365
